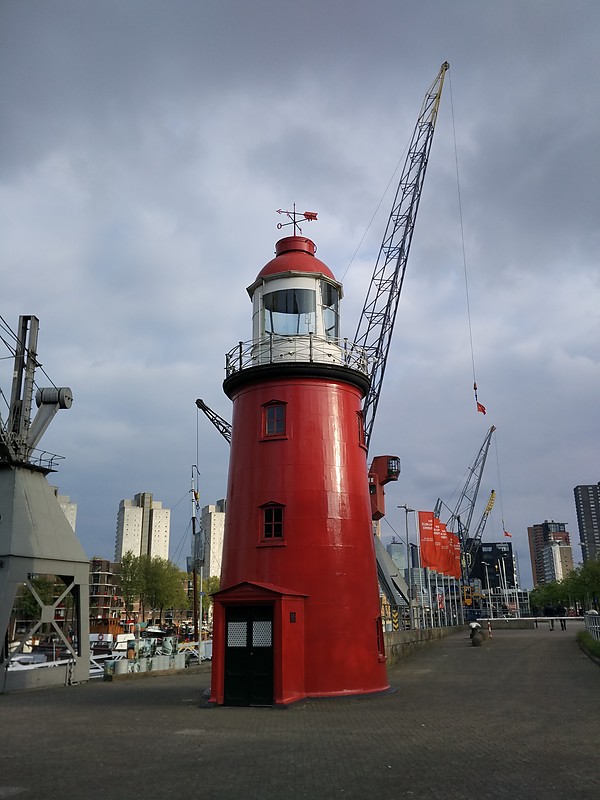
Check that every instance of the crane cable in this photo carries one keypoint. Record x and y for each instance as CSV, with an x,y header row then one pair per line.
x,y
378,206
479,406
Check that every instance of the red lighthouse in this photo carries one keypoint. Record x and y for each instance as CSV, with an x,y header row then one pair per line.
x,y
298,613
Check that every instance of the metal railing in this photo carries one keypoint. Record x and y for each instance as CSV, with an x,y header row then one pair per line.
x,y
592,625
306,349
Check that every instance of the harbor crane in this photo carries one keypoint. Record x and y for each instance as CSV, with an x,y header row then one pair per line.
x,y
474,543
376,323
460,519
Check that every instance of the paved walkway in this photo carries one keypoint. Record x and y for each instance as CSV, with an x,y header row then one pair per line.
x,y
518,719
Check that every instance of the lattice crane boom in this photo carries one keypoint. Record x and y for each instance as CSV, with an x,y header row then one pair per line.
x,y
460,520
473,543
220,424
376,323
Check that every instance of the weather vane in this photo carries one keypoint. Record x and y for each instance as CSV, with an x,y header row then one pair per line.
x,y
294,216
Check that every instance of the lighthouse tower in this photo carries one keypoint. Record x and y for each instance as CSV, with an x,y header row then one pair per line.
x,y
298,613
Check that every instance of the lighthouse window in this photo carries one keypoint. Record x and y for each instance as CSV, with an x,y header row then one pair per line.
x,y
290,312
274,419
330,300
361,428
273,522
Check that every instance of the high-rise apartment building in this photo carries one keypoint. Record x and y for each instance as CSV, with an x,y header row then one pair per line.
x,y
69,508
557,558
397,552
587,505
212,527
143,527
548,562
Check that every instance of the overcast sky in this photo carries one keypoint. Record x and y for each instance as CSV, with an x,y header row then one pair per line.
x,y
145,147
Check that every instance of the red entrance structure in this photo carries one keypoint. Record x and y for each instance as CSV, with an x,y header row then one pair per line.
x,y
298,614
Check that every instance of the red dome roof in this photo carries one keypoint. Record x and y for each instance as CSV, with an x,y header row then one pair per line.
x,y
297,254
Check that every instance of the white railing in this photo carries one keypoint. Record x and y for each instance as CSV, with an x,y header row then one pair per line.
x,y
201,653
592,625
306,349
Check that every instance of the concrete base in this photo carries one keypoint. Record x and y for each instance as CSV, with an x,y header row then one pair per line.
x,y
401,644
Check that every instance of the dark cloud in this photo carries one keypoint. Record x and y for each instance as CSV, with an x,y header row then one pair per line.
x,y
146,147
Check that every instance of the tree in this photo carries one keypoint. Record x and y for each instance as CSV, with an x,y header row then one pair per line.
x,y
580,588
170,586
26,605
209,586
129,578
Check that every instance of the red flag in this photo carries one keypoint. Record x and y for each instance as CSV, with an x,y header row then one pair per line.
x,y
480,407
506,533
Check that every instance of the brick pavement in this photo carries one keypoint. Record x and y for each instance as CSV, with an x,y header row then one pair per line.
x,y
517,718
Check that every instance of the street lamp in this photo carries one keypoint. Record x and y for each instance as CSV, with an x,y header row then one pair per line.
x,y
487,580
408,511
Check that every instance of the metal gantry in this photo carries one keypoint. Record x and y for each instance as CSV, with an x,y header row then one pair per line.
x,y
36,539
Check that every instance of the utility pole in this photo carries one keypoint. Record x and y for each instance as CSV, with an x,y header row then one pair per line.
x,y
487,580
195,559
409,580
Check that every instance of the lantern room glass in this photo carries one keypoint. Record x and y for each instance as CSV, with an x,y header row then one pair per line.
x,y
290,312
330,298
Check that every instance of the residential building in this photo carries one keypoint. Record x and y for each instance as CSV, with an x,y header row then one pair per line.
x,y
557,558
69,508
143,527
587,505
397,552
212,530
105,592
543,563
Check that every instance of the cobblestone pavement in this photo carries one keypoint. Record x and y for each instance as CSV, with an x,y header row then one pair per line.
x,y
517,718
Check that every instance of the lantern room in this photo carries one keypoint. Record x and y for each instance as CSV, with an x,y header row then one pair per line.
x,y
295,296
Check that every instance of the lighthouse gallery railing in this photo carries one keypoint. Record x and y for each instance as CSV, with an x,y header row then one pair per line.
x,y
275,349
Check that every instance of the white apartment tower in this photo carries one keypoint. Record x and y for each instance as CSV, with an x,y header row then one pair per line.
x,y
213,529
143,527
69,508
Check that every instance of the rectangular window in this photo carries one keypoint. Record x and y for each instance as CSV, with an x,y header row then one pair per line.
x,y
361,428
273,523
330,299
275,419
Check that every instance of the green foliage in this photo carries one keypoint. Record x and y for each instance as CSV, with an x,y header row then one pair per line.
x,y
581,589
587,643
209,585
155,582
129,579
26,605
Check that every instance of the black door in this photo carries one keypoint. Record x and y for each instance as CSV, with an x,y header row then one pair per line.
x,y
249,656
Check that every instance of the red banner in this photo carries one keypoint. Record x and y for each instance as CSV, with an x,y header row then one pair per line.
x,y
447,557
428,558
455,555
437,544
